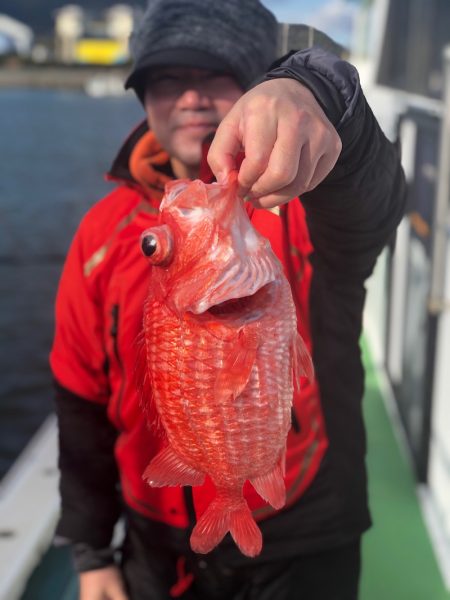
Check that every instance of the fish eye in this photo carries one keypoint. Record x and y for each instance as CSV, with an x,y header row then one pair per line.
x,y
157,245
149,245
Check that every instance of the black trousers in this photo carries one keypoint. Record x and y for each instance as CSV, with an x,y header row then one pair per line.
x,y
330,575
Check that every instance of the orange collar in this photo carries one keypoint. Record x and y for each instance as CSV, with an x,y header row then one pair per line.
x,y
146,155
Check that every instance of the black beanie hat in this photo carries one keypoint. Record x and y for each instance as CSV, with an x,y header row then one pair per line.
x,y
234,36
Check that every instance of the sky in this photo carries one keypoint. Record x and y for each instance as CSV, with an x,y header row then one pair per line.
x,y
334,17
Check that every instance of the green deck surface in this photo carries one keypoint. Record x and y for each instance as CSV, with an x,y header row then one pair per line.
x,y
398,561
53,579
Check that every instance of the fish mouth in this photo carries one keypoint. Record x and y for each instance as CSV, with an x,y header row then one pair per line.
x,y
230,306
248,307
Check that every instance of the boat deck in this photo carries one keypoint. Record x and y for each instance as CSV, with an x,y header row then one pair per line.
x,y
398,559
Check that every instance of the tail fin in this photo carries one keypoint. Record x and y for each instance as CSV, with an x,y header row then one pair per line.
x,y
221,517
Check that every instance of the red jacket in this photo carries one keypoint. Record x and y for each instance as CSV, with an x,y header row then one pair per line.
x,y
99,317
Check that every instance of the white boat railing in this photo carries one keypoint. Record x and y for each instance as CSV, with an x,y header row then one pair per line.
x,y
29,507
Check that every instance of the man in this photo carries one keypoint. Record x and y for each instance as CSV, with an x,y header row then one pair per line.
x,y
305,130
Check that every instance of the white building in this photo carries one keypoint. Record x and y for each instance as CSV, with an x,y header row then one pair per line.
x,y
119,21
15,37
69,26
81,37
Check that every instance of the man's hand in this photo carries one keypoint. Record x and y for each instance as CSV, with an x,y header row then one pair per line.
x,y
290,146
102,584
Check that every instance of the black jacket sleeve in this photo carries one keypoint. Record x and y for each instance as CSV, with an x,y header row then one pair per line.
x,y
354,212
89,476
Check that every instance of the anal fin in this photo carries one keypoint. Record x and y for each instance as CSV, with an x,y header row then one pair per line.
x,y
167,468
302,361
271,486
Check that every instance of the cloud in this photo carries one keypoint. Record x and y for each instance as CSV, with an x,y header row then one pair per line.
x,y
336,18
291,11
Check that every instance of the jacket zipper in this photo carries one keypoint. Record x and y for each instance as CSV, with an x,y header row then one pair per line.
x,y
114,332
294,421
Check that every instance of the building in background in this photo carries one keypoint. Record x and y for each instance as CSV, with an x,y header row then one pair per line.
x,y
85,38
69,25
15,37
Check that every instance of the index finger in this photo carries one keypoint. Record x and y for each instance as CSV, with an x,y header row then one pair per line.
x,y
259,138
224,149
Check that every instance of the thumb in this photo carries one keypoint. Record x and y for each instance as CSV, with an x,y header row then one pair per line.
x,y
228,165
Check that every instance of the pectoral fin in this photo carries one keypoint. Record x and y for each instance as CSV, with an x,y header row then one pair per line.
x,y
237,367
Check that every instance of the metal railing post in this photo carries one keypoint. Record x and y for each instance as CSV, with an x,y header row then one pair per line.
x,y
437,300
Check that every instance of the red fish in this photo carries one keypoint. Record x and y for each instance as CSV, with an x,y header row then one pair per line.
x,y
222,354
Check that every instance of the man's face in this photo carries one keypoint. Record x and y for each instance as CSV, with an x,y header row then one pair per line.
x,y
184,105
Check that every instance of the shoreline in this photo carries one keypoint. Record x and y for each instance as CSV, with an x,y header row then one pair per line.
x,y
60,77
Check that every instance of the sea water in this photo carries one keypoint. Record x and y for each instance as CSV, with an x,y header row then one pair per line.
x,y
54,150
